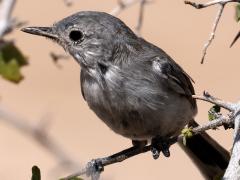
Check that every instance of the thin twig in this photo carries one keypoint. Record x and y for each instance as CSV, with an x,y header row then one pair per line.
x,y
140,17
56,57
39,134
5,15
122,5
68,2
210,3
7,23
212,35
222,4
209,98
235,39
222,120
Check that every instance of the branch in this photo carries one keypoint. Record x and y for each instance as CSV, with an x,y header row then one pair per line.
x,y
222,4
7,23
212,125
210,3
56,57
233,170
235,39
39,134
209,98
140,17
212,35
68,2
5,15
124,4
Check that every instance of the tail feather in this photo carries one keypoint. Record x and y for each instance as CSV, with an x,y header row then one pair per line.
x,y
209,156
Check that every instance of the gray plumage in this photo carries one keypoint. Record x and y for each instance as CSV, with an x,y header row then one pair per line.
x,y
134,87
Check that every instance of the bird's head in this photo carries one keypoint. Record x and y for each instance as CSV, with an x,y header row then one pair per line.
x,y
88,36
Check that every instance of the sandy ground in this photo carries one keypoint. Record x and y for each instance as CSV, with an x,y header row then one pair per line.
x,y
178,29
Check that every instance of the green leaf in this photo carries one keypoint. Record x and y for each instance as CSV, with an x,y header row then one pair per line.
x,y
11,61
187,133
213,112
36,173
238,13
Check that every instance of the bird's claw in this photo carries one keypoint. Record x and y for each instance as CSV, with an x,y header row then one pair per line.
x,y
159,145
155,153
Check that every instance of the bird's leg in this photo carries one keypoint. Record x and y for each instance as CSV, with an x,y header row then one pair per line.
x,y
139,144
159,144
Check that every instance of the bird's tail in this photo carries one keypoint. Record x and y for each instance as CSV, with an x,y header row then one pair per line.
x,y
209,156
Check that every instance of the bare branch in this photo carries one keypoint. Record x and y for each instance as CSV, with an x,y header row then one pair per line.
x,y
68,2
222,120
235,39
233,169
222,4
39,134
140,17
210,3
212,35
122,5
209,98
56,57
5,15
7,23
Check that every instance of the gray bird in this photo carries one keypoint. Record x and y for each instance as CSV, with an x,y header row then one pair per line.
x,y
134,87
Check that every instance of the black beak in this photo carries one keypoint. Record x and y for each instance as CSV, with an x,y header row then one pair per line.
x,y
41,31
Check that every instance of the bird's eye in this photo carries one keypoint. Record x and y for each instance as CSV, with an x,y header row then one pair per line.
x,y
76,35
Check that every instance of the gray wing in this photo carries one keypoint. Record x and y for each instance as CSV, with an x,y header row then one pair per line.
x,y
178,80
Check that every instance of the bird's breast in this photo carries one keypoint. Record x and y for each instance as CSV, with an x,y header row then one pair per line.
x,y
135,107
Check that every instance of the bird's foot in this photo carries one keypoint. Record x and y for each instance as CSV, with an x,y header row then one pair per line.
x,y
158,145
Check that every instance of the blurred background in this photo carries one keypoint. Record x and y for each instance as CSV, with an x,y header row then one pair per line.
x,y
49,90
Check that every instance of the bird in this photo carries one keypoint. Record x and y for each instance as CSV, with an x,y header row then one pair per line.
x,y
133,86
